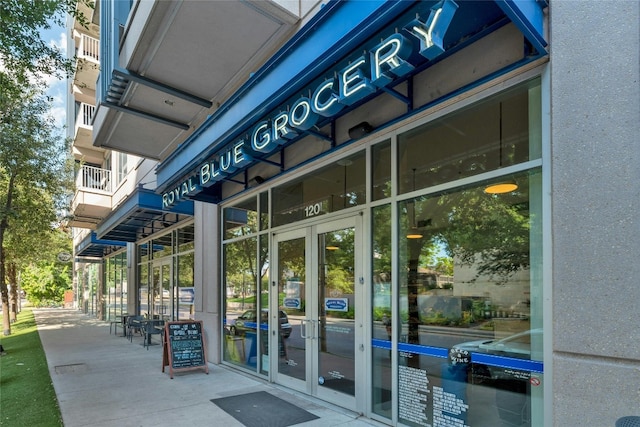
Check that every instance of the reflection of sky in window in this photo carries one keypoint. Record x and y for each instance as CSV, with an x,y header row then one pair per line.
x,y
440,248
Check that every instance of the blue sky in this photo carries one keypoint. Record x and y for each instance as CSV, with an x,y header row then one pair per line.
x,y
57,89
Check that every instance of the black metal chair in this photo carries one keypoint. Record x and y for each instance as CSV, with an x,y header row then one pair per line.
x,y
134,323
114,323
149,328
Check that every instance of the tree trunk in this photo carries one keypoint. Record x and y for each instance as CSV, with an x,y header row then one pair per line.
x,y
6,324
13,293
4,223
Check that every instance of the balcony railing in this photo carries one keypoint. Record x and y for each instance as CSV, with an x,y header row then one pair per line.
x,y
85,115
93,178
89,48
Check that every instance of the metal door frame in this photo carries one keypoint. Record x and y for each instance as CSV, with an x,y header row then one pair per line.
x,y
310,386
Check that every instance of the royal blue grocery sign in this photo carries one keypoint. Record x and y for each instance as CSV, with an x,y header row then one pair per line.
x,y
336,304
365,75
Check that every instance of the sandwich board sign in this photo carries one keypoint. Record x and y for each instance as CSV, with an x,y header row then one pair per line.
x,y
184,347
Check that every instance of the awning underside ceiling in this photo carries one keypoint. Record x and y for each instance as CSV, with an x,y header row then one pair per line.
x,y
91,246
141,223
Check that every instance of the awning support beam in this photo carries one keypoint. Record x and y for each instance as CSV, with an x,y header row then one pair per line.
x,y
146,115
129,75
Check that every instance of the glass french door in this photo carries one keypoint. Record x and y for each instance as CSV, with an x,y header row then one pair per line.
x,y
160,295
319,276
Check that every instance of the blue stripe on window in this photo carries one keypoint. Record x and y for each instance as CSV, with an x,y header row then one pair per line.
x,y
508,362
424,350
385,344
485,359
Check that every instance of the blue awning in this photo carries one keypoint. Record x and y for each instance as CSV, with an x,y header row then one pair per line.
x,y
331,37
141,215
91,246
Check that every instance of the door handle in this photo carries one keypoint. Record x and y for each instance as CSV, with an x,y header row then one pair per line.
x,y
304,324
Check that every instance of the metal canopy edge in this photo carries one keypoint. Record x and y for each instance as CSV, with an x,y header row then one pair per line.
x,y
528,16
91,246
139,210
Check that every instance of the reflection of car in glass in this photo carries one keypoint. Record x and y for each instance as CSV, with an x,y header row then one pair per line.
x,y
247,322
516,346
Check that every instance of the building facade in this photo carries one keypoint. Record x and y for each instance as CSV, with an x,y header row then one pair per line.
x,y
401,208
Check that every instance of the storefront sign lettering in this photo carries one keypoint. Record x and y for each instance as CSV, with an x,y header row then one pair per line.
x,y
365,75
179,193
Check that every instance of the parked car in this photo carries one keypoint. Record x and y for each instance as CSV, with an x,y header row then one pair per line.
x,y
515,346
247,322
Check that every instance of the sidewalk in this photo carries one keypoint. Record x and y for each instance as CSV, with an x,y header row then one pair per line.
x,y
102,379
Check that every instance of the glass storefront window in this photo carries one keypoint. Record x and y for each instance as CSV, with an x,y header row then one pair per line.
x,y
455,299
264,210
143,288
185,238
162,246
185,291
165,275
485,137
264,297
241,303
469,329
292,277
335,187
241,219
143,252
381,311
381,170
115,299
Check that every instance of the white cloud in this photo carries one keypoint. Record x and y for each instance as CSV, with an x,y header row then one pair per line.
x,y
59,104
56,87
62,42
57,38
60,116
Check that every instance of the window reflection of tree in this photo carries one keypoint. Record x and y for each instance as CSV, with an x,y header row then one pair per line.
x,y
489,233
291,257
240,263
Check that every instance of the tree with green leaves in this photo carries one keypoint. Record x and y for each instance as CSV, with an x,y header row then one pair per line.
x,y
23,53
34,178
45,284
32,152
33,239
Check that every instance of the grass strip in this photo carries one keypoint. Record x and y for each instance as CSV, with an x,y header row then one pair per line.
x,y
27,396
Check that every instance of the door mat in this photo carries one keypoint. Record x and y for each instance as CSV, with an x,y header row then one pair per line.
x,y
262,409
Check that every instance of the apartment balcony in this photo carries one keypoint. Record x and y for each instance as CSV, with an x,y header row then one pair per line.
x,y
91,18
175,63
83,148
87,62
92,200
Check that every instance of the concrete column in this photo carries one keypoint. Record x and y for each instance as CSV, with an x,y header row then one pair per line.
x,y
207,275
